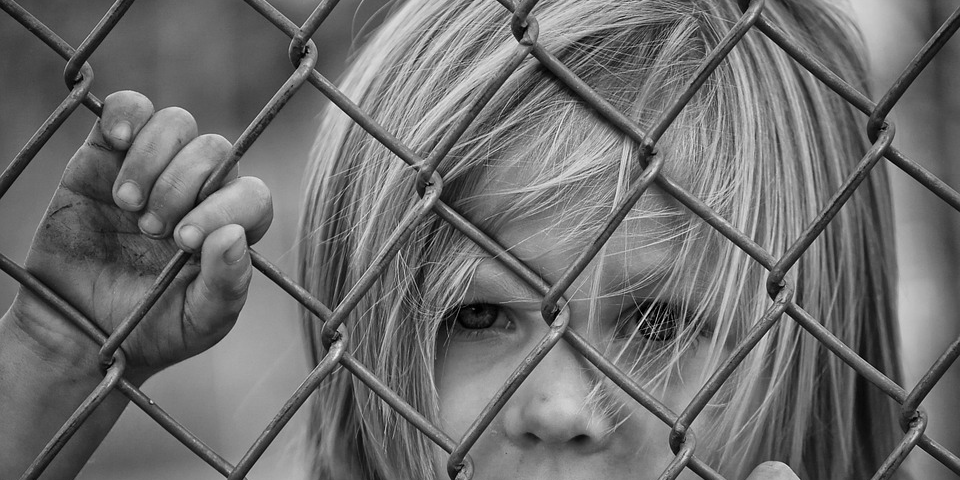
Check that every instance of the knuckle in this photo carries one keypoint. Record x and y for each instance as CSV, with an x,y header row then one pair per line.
x,y
215,142
232,290
129,100
776,470
179,117
237,290
114,98
172,188
214,148
253,193
224,212
148,148
258,190
99,146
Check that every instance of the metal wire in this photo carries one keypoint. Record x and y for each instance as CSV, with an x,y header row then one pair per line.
x,y
78,75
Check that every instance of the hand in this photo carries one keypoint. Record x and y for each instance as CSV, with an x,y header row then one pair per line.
x,y
127,201
772,471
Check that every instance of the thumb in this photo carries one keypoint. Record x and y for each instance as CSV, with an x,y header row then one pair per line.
x,y
217,294
772,471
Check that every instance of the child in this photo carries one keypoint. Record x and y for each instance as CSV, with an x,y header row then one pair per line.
x,y
666,299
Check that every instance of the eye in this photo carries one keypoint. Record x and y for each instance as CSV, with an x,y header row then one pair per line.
x,y
476,316
654,321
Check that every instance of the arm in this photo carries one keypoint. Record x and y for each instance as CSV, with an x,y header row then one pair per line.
x,y
100,246
40,388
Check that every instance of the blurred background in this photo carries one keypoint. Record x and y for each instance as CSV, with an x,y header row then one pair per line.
x,y
221,61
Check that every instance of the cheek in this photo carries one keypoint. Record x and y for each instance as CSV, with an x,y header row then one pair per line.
x,y
459,396
467,378
691,375
639,426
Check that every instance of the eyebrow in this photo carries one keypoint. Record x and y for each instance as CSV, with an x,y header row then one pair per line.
x,y
491,280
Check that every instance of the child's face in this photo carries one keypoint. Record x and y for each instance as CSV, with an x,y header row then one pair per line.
x,y
548,428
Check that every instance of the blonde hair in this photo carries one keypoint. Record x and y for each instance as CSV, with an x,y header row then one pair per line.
x,y
763,143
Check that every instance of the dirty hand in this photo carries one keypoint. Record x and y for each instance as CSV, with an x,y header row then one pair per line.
x,y
127,201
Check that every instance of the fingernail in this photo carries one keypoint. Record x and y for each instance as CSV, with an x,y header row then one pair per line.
x,y
129,193
121,132
151,225
233,254
191,237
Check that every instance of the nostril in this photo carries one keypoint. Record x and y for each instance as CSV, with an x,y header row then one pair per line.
x,y
553,408
581,440
559,436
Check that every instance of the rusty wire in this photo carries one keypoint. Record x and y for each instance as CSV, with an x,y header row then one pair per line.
x,y
78,76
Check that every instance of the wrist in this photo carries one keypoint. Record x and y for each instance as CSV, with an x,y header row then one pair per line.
x,y
50,338
48,367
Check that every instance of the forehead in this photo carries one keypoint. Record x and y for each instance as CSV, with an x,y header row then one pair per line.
x,y
548,197
640,251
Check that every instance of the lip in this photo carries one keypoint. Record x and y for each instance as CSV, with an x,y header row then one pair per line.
x,y
561,471
545,470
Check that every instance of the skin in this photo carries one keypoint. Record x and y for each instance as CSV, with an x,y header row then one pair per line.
x,y
90,247
126,202
549,428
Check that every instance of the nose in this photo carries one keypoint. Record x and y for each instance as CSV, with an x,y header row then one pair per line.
x,y
552,407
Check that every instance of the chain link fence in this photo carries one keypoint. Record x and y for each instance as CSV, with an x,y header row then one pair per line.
x,y
79,77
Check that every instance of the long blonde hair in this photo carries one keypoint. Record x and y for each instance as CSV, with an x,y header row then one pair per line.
x,y
763,143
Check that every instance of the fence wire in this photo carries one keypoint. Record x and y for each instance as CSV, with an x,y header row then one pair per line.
x,y
78,76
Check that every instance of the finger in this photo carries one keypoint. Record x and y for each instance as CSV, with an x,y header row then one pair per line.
x,y
245,201
159,140
175,191
96,163
124,114
773,471
215,297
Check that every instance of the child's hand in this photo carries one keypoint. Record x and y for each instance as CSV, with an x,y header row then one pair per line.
x,y
772,471
138,171
127,201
